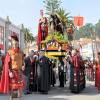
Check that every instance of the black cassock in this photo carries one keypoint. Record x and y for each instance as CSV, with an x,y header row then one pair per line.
x,y
52,73
61,73
44,74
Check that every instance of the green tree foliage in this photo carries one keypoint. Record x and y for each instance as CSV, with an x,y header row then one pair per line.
x,y
97,29
84,32
28,37
55,3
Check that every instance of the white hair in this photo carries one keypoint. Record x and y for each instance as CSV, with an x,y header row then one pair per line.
x,y
30,54
42,52
74,51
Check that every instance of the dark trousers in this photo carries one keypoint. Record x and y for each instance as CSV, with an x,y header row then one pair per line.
x,y
61,78
65,77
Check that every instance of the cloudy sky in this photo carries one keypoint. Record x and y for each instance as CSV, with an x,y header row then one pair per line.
x,y
28,11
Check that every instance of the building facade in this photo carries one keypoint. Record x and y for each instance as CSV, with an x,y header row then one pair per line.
x,y
88,52
6,30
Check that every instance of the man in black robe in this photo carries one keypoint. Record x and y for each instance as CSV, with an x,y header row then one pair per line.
x,y
61,72
44,73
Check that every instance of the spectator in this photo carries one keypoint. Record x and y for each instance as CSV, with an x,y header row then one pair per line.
x,y
26,73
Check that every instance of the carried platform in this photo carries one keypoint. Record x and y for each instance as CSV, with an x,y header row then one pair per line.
x,y
54,48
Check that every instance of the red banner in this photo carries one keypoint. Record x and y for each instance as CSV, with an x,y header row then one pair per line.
x,y
78,21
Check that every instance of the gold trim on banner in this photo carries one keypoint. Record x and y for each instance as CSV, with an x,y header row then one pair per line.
x,y
75,80
31,78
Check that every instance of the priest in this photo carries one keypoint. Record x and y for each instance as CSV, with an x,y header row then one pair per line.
x,y
44,73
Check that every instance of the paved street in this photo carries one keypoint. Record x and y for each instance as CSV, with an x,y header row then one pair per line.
x,y
89,93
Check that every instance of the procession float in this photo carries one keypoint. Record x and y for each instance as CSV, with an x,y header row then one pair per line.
x,y
56,44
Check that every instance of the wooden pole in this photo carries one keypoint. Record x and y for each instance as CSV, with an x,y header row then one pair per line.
x,y
93,51
52,12
51,18
96,46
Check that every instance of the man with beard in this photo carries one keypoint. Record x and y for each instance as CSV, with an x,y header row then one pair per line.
x,y
56,22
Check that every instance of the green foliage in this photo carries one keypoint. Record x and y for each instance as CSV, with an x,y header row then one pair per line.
x,y
55,3
58,36
85,31
28,36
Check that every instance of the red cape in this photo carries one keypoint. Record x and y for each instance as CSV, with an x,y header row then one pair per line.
x,y
39,31
97,80
75,60
4,84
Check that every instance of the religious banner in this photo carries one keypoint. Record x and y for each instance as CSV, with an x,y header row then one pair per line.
x,y
78,21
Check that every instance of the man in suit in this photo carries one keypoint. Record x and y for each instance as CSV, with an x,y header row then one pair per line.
x,y
26,72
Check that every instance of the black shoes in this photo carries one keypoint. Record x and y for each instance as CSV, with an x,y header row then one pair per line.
x,y
29,92
44,92
26,93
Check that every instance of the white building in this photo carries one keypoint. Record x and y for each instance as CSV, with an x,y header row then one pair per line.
x,y
6,30
87,50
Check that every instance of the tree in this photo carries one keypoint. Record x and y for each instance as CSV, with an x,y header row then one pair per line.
x,y
28,37
84,32
97,29
64,18
54,3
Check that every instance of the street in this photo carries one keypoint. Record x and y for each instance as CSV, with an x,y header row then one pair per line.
x,y
56,93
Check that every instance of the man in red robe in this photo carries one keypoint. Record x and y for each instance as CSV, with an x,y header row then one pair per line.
x,y
82,76
12,76
75,72
42,28
97,72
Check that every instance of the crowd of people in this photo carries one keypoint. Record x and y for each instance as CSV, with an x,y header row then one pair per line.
x,y
37,73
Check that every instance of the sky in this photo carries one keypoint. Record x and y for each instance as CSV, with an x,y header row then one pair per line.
x,y
28,11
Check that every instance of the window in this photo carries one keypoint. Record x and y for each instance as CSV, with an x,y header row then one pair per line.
x,y
2,38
